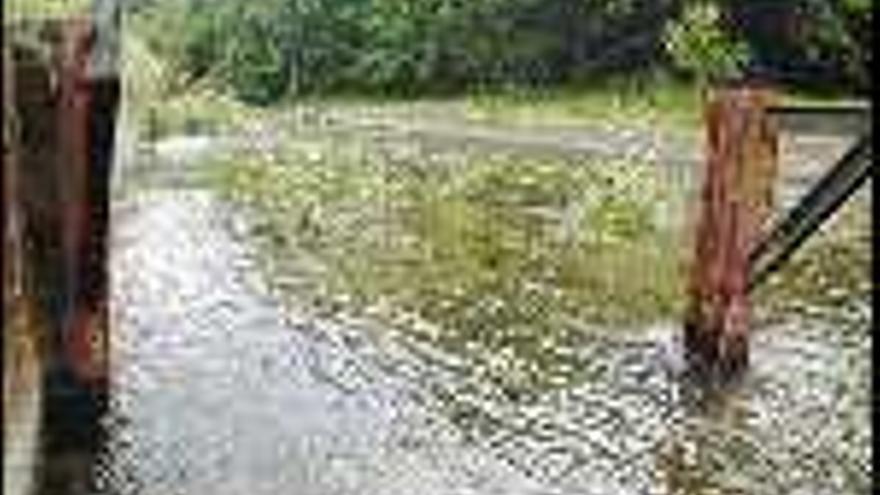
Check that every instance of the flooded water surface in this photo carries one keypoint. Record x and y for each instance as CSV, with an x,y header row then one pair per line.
x,y
221,386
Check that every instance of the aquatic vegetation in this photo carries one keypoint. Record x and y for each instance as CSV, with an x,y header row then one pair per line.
x,y
498,256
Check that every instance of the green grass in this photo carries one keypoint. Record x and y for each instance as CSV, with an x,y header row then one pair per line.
x,y
160,103
195,111
482,256
638,101
634,101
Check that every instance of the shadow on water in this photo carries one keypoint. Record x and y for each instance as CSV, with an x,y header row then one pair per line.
x,y
72,436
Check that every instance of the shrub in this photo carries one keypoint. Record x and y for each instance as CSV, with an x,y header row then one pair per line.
x,y
266,49
698,44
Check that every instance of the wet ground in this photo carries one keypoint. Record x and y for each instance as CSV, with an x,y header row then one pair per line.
x,y
220,389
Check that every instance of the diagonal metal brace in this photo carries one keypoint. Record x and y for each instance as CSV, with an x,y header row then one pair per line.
x,y
817,206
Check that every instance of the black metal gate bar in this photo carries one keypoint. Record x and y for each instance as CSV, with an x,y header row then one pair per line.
x,y
844,119
818,205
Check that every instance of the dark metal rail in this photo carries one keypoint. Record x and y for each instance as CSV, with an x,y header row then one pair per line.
x,y
827,195
840,119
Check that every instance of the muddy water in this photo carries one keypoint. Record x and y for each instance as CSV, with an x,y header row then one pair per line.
x,y
218,390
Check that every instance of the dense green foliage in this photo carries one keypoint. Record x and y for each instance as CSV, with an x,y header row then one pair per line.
x,y
823,44
265,50
699,45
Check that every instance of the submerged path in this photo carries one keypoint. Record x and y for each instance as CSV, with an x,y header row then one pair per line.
x,y
217,389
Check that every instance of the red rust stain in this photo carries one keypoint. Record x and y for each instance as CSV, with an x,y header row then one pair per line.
x,y
84,339
86,344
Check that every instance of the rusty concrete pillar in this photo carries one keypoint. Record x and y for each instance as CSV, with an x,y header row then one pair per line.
x,y
85,325
735,201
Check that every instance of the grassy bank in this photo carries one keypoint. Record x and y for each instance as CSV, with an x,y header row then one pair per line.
x,y
159,102
507,261
640,102
652,101
479,254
